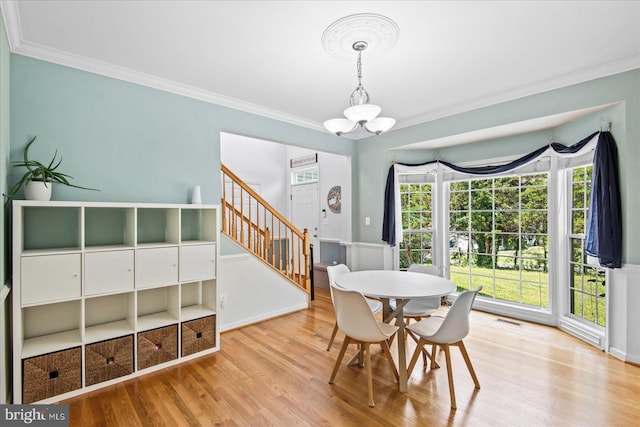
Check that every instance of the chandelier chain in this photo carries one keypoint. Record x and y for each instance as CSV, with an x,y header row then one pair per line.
x,y
360,68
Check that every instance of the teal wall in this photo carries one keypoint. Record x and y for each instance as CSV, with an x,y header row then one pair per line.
x,y
136,143
4,150
374,155
5,305
132,142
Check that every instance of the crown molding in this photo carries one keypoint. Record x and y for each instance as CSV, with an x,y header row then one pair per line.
x,y
18,46
98,67
9,9
581,76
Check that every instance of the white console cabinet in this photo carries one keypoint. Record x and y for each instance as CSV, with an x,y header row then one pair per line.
x,y
103,292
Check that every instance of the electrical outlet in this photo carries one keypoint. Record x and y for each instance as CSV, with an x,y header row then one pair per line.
x,y
223,301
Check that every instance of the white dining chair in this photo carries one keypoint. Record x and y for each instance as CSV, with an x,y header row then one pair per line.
x,y
358,323
333,272
419,308
444,332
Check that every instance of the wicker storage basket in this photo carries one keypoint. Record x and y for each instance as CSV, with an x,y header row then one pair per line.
x,y
107,360
198,335
157,346
51,374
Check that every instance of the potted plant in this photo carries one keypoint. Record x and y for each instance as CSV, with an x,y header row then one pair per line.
x,y
39,177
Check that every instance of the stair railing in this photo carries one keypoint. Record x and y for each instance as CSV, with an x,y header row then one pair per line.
x,y
254,224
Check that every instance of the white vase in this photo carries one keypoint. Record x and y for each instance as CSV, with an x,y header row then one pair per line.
x,y
196,198
37,190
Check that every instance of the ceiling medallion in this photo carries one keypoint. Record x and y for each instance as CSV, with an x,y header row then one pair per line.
x,y
378,31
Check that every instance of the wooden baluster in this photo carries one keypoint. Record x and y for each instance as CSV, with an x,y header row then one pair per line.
x,y
286,249
306,253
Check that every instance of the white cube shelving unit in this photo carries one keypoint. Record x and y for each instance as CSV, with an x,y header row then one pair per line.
x,y
91,272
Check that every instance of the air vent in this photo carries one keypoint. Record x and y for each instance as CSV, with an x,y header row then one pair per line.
x,y
511,322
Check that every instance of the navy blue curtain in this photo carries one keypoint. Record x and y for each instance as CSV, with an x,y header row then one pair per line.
x,y
389,218
604,226
603,231
490,170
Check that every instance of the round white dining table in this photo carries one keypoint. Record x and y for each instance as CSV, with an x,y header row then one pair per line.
x,y
401,286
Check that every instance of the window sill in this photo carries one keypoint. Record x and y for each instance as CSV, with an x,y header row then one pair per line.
x,y
529,314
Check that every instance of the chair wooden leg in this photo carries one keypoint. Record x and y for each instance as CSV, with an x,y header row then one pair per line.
x,y
434,364
412,335
343,350
415,356
333,336
425,353
465,355
367,349
387,352
452,392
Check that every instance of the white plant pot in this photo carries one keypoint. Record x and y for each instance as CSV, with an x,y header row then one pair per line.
x,y
37,190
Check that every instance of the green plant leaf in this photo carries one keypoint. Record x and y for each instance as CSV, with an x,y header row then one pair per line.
x,y
26,152
37,171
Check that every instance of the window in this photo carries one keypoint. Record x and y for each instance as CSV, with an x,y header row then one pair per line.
x,y
587,283
304,176
498,237
417,224
497,231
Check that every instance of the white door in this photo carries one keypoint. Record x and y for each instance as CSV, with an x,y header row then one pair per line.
x,y
305,214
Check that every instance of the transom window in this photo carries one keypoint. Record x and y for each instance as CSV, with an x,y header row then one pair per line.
x,y
498,237
304,176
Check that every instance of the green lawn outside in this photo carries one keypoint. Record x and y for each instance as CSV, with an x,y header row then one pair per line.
x,y
505,284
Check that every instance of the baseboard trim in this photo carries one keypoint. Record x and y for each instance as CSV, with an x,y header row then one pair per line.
x,y
263,317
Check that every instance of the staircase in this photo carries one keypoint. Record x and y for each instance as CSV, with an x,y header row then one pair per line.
x,y
255,225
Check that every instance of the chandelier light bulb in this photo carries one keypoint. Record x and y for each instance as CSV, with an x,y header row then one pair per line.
x,y
340,126
380,125
361,114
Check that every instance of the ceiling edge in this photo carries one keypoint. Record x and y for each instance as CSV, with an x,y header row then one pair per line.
x,y
98,67
11,17
616,67
17,45
535,124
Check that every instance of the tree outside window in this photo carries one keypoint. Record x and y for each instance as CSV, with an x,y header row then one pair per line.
x,y
587,288
498,237
417,224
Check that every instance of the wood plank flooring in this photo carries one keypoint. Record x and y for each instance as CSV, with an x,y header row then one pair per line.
x,y
276,373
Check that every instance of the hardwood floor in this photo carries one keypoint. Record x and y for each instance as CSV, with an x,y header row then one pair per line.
x,y
276,373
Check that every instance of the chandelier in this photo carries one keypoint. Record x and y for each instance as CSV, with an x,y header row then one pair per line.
x,y
361,113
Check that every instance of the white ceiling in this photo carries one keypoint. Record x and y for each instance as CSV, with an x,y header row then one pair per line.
x,y
266,57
